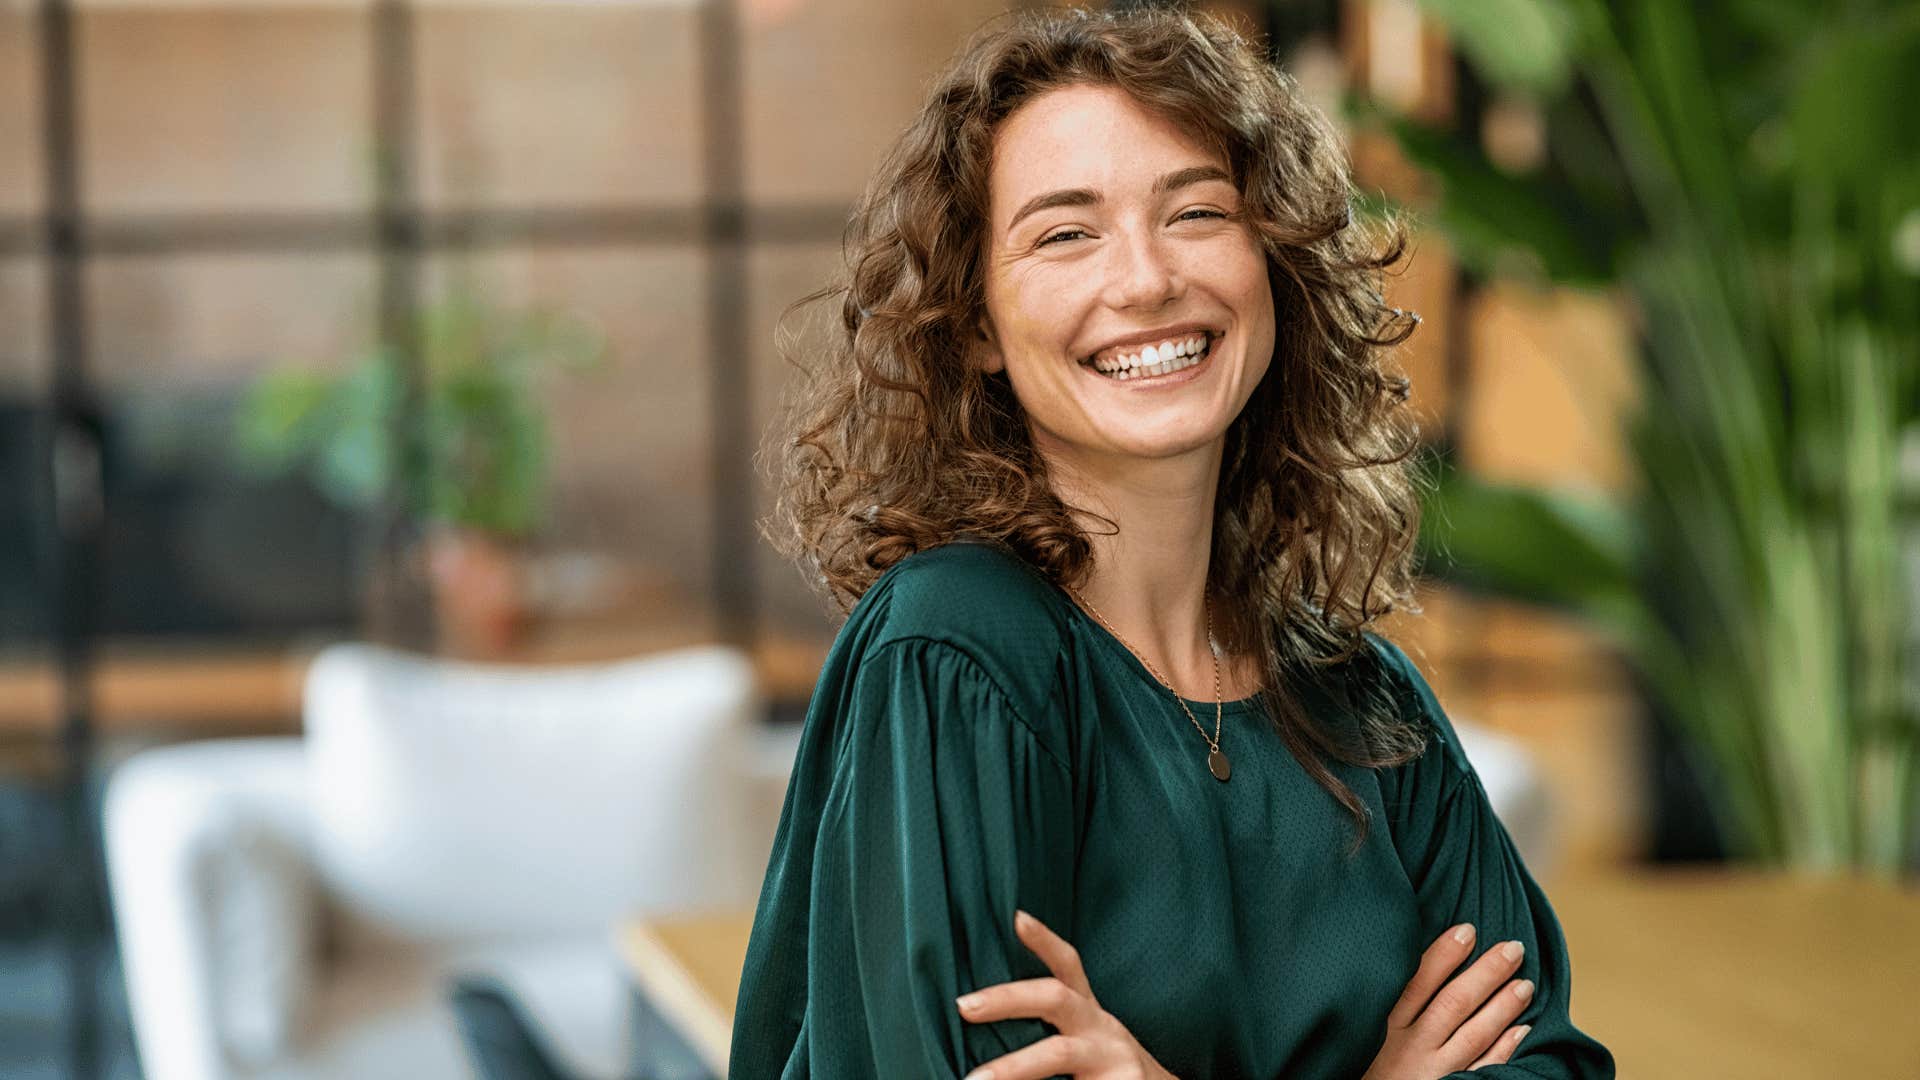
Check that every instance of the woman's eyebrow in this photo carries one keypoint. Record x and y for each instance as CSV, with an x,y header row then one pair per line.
x,y
1173,181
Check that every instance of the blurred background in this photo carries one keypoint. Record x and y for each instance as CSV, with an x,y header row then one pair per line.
x,y
393,682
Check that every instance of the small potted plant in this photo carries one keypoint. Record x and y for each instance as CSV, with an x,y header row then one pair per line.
x,y
481,485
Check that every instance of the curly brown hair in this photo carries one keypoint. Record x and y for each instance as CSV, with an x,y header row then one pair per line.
x,y
896,443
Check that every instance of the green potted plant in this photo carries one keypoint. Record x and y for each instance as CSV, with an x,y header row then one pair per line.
x,y
481,484
1747,177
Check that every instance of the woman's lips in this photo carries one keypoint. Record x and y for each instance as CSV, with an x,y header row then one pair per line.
x,y
1171,378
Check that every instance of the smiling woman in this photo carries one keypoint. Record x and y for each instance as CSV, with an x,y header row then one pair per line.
x,y
1109,442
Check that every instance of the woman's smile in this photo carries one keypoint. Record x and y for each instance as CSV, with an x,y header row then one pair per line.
x,y
1170,363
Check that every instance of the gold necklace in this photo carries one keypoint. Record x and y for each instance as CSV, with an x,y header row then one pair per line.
x,y
1217,762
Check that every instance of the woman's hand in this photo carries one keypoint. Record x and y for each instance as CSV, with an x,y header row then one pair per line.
x,y
1091,1043
1425,1036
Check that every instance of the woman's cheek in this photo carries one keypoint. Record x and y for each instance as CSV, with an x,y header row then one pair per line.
x,y
1060,296
1045,288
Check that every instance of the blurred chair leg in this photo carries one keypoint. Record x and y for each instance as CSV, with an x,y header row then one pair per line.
x,y
499,1038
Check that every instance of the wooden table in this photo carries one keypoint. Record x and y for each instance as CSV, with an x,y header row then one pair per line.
x,y
1713,973
688,969
1683,974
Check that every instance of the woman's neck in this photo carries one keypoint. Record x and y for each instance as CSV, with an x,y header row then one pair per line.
x,y
1149,577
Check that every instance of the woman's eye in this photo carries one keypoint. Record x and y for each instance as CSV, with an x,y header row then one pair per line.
x,y
1066,233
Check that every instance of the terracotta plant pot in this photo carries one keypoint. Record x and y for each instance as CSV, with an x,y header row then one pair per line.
x,y
479,592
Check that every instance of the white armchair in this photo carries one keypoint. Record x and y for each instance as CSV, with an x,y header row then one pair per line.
x,y
295,907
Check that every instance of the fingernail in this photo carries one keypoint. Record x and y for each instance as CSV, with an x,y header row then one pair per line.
x,y
1463,933
1520,1032
1513,950
979,1074
968,1002
1523,989
1021,918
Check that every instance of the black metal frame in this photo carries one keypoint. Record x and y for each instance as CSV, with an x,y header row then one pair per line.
x,y
71,511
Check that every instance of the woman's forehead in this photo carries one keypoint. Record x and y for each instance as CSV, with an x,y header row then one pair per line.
x,y
1097,138
1088,123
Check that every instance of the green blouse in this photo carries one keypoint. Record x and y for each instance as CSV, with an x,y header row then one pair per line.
x,y
976,743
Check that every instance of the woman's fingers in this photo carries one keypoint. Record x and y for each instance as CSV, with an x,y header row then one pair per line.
x,y
1063,1000
1490,1022
1087,1041
1047,999
1054,1055
1503,1050
1459,998
1061,958
1439,961
1440,1021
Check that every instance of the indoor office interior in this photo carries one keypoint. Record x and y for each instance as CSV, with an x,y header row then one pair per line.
x,y
395,680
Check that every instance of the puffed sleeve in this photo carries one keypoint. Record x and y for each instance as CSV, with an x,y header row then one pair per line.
x,y
947,813
1465,868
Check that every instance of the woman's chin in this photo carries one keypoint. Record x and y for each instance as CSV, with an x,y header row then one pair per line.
x,y
1160,444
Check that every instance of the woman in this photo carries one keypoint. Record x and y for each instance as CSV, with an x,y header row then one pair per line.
x,y
1108,467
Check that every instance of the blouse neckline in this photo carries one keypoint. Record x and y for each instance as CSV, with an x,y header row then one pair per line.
x,y
1119,649
1132,662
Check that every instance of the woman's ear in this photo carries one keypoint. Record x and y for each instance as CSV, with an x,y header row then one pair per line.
x,y
984,348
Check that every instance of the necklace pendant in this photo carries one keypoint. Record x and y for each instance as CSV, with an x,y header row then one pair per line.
x,y
1222,768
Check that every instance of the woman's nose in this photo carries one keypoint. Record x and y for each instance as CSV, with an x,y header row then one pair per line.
x,y
1141,274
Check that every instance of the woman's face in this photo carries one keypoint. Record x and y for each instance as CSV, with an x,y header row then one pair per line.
x,y
1108,235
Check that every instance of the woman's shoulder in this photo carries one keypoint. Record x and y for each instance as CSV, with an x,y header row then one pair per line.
x,y
975,598
1418,705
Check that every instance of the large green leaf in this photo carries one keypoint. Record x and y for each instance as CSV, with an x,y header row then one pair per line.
x,y
1490,215
1564,549
1525,45
1852,113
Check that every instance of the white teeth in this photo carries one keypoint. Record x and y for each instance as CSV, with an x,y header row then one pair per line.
x,y
1153,361
1153,354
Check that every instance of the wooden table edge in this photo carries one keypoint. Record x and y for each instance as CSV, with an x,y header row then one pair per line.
x,y
672,989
